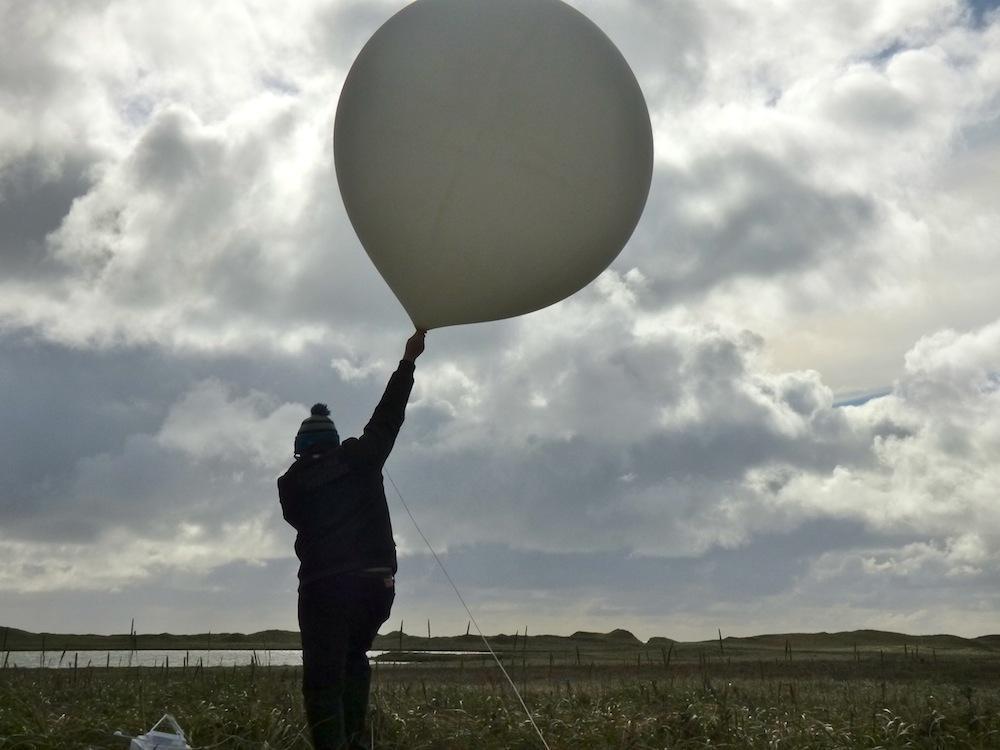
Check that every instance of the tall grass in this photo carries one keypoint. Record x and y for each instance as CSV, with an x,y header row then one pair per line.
x,y
444,706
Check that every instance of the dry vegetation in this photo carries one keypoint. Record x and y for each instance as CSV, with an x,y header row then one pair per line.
x,y
782,693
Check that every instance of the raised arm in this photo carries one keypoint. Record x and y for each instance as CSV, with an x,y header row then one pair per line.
x,y
380,433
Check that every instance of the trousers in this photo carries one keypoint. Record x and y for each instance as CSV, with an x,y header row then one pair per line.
x,y
339,617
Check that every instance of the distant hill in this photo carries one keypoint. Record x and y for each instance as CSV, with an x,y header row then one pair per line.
x,y
14,639
862,639
618,636
617,641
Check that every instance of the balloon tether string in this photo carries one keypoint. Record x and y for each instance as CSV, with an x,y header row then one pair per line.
x,y
468,611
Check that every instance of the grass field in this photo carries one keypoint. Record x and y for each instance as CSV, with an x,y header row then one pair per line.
x,y
843,691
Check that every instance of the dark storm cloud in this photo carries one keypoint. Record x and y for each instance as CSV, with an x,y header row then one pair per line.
x,y
766,565
823,566
51,421
170,153
79,453
983,12
604,453
743,214
35,197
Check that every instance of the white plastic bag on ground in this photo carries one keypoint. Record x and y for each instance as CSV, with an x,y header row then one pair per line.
x,y
155,739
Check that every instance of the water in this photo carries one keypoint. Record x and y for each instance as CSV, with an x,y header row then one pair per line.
x,y
158,658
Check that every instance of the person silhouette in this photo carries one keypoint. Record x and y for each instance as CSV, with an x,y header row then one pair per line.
x,y
333,496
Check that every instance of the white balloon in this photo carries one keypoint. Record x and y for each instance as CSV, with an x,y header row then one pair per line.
x,y
494,156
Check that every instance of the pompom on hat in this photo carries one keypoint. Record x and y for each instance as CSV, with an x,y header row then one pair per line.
x,y
317,428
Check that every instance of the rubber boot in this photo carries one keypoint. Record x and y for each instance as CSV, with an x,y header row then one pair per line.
x,y
325,712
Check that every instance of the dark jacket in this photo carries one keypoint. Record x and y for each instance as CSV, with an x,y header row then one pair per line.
x,y
336,500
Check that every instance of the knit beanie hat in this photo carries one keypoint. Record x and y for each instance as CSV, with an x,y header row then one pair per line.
x,y
317,428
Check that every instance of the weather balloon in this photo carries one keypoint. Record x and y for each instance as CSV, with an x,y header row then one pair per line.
x,y
494,156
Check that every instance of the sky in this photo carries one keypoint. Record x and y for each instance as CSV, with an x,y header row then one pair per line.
x,y
778,410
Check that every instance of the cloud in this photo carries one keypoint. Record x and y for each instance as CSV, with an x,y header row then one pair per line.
x,y
133,457
211,424
35,197
178,280
934,476
210,216
666,45
747,214
687,441
196,494
121,560
981,11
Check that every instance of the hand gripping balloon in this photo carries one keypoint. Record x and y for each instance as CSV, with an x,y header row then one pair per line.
x,y
494,156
